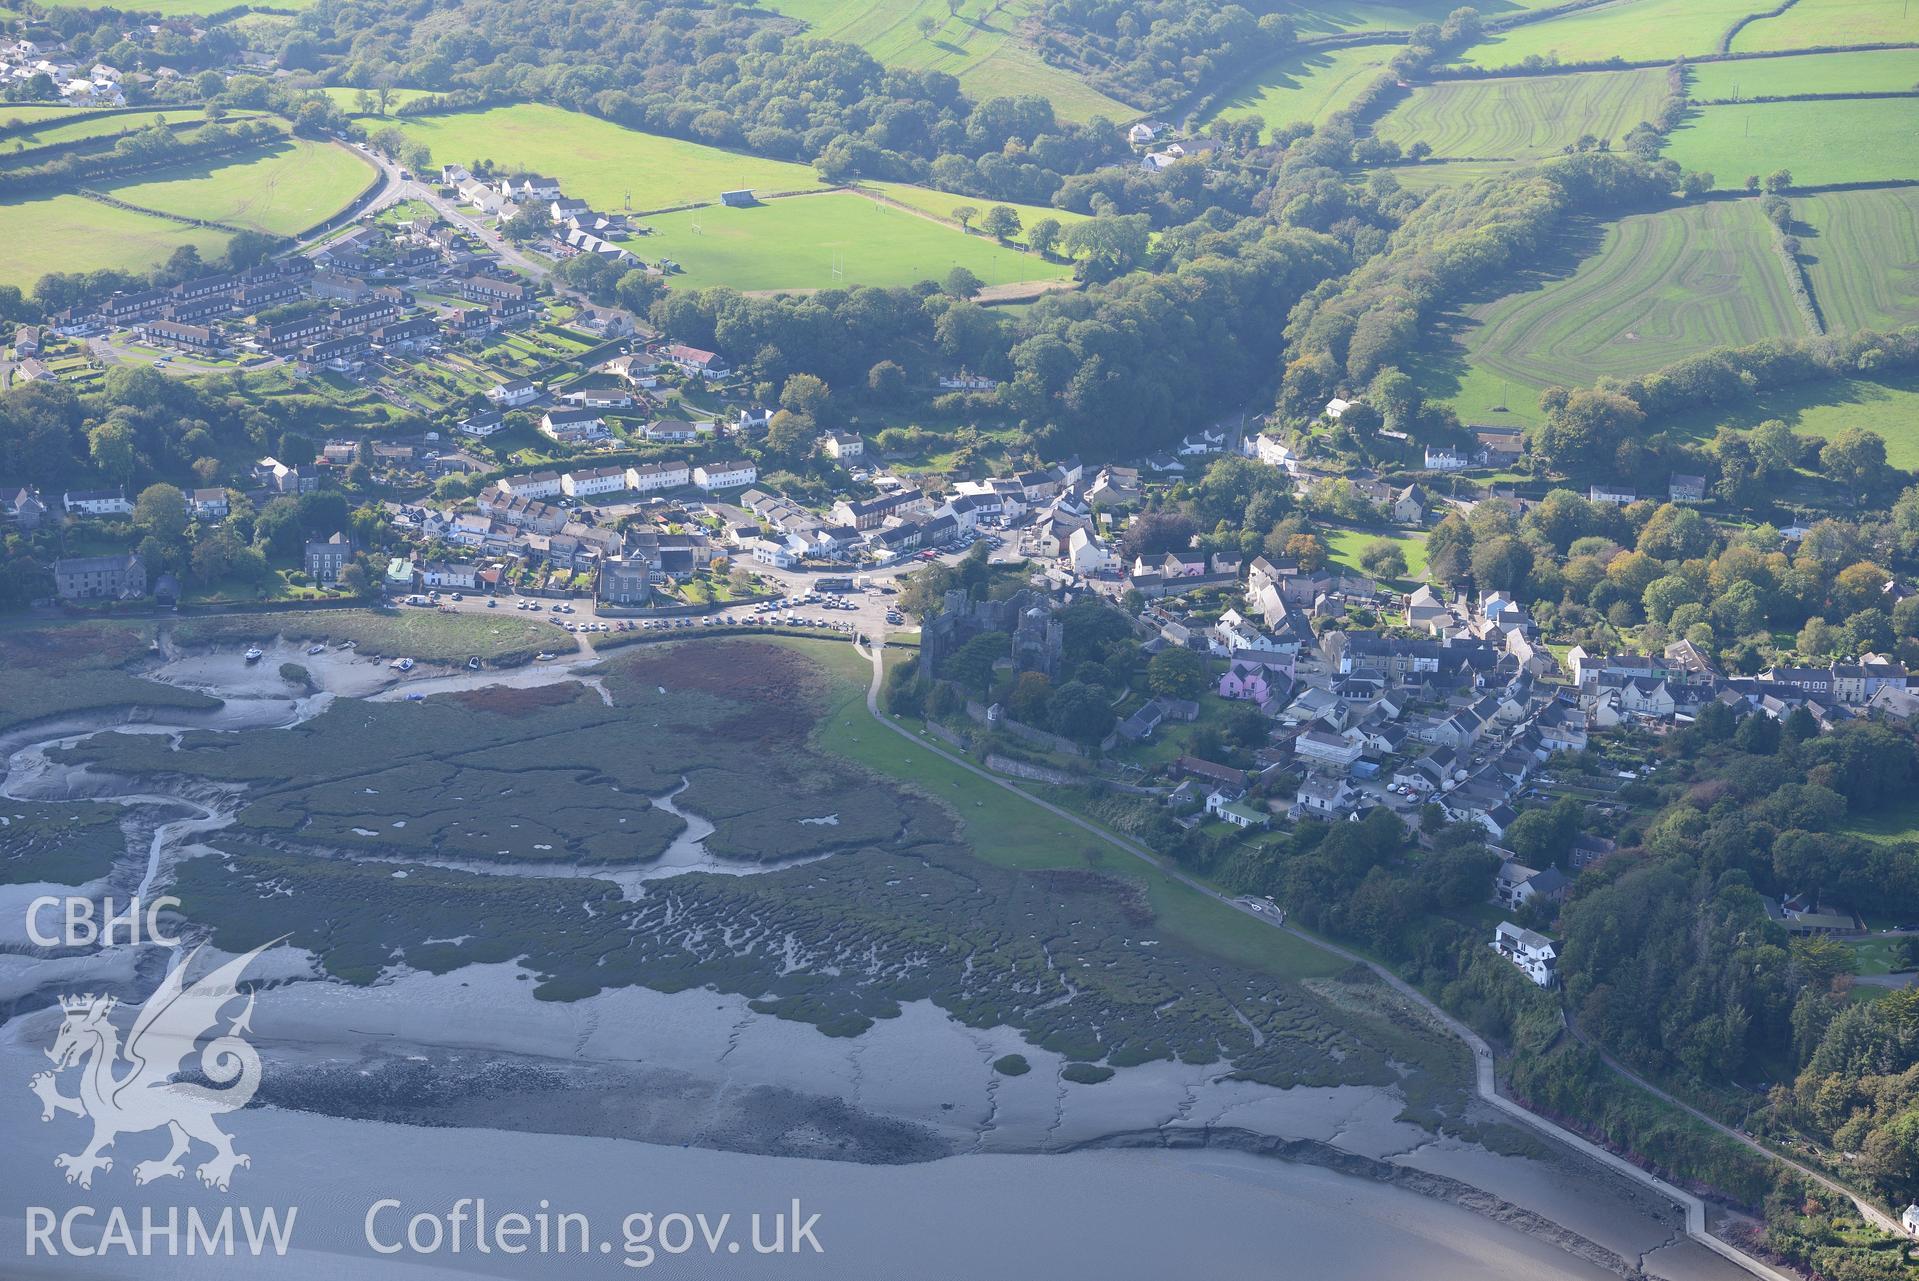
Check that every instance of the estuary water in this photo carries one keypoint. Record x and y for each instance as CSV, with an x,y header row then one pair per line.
x,y
635,1101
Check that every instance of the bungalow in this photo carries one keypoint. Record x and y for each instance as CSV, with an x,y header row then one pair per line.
x,y
597,397
1228,807
729,473
513,393
574,426
480,426
694,360
1531,951
964,381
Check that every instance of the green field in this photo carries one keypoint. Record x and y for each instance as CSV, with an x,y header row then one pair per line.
x,y
1812,24
72,234
941,204
65,128
1525,115
283,188
601,162
178,8
348,97
1870,71
1852,140
980,44
1306,86
1863,256
1625,299
1393,15
14,113
1432,175
1632,30
1345,545
1826,408
792,243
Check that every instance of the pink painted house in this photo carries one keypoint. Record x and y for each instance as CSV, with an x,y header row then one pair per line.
x,y
1247,681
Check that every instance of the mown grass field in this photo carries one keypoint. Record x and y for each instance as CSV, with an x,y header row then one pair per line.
x,y
1346,545
64,128
1392,15
1826,408
1852,140
1863,256
1630,297
601,162
14,113
1524,116
1432,175
1633,30
72,233
1306,86
283,188
941,204
792,243
1816,23
981,45
1867,71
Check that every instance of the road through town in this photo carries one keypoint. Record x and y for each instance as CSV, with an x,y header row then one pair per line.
x,y
1486,1082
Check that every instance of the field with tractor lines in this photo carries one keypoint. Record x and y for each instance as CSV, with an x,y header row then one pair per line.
x,y
1308,86
1863,256
1812,24
1649,290
1632,30
1524,115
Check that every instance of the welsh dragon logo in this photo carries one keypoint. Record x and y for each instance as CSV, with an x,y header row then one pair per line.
x,y
126,1089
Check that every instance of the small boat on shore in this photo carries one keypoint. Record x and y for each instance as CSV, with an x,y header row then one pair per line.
x,y
401,664
255,653
316,649
473,663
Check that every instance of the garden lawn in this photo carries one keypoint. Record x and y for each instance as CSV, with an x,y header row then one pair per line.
x,y
979,42
1869,71
794,244
1345,546
1812,24
600,162
1524,115
283,188
1632,30
1308,86
1849,140
74,234
1862,252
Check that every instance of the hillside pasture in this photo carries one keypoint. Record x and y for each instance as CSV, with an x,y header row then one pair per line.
x,y
1867,71
1862,251
283,188
1824,409
1626,299
980,44
793,244
1812,24
64,127
70,233
598,161
1631,30
1432,175
1524,116
941,204
1849,140
1308,86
